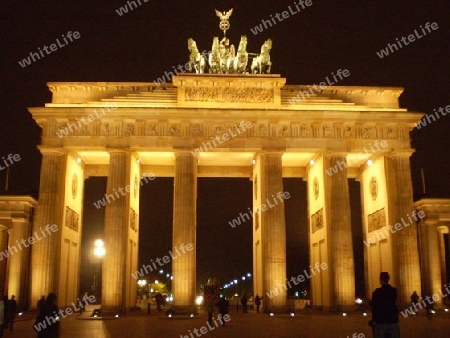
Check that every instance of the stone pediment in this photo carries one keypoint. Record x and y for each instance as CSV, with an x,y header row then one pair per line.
x,y
225,92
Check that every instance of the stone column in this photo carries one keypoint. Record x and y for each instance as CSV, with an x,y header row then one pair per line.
x,y
338,213
425,251
434,263
46,250
442,254
184,231
405,246
273,228
3,247
115,233
18,262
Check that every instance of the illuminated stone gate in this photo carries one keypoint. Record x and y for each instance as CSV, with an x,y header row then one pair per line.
x,y
123,130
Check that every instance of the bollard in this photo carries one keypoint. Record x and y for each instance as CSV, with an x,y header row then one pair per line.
x,y
148,308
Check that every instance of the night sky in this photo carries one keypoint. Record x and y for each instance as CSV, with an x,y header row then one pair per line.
x,y
147,41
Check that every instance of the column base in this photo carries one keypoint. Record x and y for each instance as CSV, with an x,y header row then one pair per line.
x,y
280,309
182,310
112,311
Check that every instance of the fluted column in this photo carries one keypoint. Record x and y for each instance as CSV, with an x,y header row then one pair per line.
x,y
337,202
184,231
45,251
273,230
442,254
405,246
18,262
434,262
3,247
115,233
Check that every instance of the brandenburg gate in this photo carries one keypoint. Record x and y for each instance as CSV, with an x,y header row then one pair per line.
x,y
122,130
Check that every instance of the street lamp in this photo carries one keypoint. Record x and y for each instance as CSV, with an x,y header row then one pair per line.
x,y
99,252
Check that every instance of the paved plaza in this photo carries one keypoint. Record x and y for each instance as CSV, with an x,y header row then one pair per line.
x,y
311,324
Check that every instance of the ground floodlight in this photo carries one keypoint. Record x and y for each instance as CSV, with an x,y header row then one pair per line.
x,y
344,314
292,314
271,314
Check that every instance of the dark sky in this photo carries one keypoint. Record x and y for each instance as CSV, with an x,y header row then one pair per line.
x,y
149,40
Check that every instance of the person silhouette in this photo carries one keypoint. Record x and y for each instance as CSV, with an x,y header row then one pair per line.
x,y
244,303
223,305
257,302
384,309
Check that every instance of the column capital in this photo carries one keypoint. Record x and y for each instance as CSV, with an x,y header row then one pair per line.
x,y
335,153
184,151
117,150
275,151
401,153
51,151
443,229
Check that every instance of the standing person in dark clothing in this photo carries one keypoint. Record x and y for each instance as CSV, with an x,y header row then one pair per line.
x,y
12,308
414,299
159,301
47,322
223,305
41,303
257,302
244,303
384,309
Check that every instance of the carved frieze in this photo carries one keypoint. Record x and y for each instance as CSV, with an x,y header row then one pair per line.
x,y
133,220
218,130
377,220
316,187
243,95
196,129
317,221
285,130
349,131
327,131
151,129
305,130
129,129
72,219
74,186
174,129
373,188
263,129
108,129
